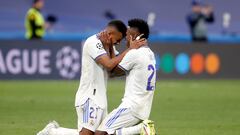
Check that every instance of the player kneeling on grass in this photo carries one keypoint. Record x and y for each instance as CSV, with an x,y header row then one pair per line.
x,y
91,98
139,66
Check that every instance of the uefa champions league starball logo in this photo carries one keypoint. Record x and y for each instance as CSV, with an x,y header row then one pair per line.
x,y
68,62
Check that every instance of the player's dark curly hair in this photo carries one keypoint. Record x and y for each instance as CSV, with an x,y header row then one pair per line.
x,y
141,25
119,25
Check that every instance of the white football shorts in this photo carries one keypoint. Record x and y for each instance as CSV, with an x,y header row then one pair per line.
x,y
119,118
90,115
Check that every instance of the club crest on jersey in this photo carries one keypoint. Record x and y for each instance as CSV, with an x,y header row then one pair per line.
x,y
99,46
92,122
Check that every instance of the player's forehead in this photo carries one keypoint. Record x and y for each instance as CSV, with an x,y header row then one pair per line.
x,y
115,31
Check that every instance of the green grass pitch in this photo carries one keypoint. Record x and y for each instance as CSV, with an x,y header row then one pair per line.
x,y
190,107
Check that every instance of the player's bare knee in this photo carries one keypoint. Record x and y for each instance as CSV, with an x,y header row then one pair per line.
x,y
101,133
86,132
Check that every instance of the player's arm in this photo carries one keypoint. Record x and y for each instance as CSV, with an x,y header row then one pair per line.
x,y
113,53
117,72
126,64
109,63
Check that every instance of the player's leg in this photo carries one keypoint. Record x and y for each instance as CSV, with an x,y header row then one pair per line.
x,y
100,133
86,131
146,127
48,127
129,130
63,131
89,117
117,119
124,131
53,129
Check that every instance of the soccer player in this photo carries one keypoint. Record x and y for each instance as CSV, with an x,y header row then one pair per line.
x,y
139,66
91,99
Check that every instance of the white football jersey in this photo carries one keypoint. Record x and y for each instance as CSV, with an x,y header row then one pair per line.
x,y
93,81
140,82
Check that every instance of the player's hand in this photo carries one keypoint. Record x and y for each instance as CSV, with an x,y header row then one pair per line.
x,y
135,44
105,38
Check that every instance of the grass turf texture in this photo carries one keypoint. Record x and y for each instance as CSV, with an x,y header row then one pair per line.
x,y
210,107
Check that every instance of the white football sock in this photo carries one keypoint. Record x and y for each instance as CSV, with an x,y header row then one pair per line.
x,y
63,131
130,130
